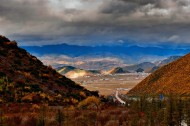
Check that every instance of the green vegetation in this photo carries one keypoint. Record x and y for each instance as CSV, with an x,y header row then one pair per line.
x,y
171,111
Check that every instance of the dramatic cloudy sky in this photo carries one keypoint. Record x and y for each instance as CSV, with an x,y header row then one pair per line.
x,y
95,22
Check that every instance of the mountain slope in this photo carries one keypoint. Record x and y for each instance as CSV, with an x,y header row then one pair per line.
x,y
78,73
151,70
72,72
28,79
168,60
64,70
162,63
171,78
117,70
134,68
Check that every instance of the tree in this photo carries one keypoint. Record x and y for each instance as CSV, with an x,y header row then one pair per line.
x,y
60,117
187,111
42,116
89,101
170,110
179,112
7,89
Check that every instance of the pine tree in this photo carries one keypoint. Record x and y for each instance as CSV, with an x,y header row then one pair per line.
x,y
187,111
60,117
179,111
170,111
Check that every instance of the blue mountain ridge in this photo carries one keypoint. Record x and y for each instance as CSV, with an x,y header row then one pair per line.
x,y
75,50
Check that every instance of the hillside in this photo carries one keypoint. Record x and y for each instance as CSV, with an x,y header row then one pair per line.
x,y
151,70
171,78
117,70
134,68
73,72
23,78
78,73
168,60
162,63
64,70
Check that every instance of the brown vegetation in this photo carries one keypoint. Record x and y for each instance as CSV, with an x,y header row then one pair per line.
x,y
172,78
23,78
144,111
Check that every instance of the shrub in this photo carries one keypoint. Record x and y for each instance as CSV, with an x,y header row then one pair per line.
x,y
112,123
103,118
18,62
3,53
35,87
31,121
13,121
82,94
81,121
89,101
2,74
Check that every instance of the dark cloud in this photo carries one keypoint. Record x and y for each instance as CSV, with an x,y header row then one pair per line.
x,y
118,7
90,22
141,2
23,10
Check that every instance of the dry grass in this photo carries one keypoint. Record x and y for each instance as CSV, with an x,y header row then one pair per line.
x,y
172,78
107,84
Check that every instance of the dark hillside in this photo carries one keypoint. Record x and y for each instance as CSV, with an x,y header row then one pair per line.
x,y
24,78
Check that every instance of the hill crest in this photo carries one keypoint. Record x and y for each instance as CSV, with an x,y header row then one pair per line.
x,y
171,78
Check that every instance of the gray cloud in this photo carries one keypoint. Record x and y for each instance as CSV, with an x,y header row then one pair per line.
x,y
92,22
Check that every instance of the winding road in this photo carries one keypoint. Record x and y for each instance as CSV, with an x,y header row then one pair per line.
x,y
118,98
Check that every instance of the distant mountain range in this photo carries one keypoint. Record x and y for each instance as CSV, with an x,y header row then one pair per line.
x,y
147,67
101,57
172,78
75,50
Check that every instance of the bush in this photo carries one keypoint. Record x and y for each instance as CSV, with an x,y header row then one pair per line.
x,y
3,53
35,87
2,74
31,121
89,101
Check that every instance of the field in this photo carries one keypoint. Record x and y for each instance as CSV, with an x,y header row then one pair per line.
x,y
108,84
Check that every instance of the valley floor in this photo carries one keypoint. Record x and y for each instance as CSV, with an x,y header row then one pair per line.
x,y
108,84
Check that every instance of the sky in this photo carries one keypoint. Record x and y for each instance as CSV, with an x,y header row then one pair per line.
x,y
96,22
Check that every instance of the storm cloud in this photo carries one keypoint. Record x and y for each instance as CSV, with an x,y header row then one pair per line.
x,y
95,22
